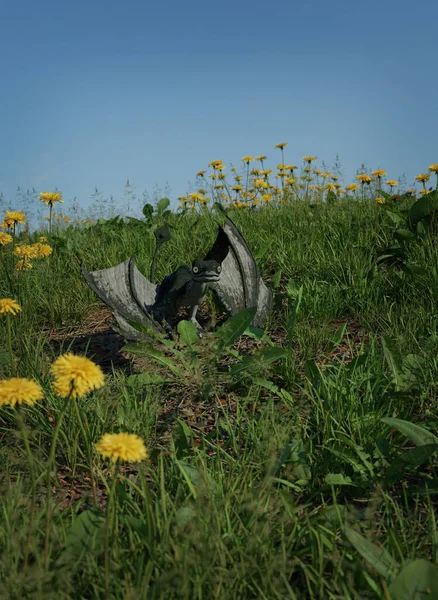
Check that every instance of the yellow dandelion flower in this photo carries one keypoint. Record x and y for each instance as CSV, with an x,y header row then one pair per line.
x,y
23,264
259,183
352,187
317,172
196,197
247,159
24,250
410,192
281,166
5,238
18,390
215,163
422,177
183,199
51,197
330,187
290,167
9,306
380,200
43,240
237,188
261,158
266,172
290,180
122,447
255,172
75,375
364,178
41,250
14,216
213,176
379,173
392,182
220,167
200,174
266,198
434,168
309,159
281,146
424,192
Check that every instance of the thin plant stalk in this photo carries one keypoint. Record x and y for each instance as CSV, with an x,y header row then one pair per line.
x,y
51,464
109,526
30,459
9,338
88,447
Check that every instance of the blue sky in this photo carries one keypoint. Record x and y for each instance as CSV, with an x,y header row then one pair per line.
x,y
95,92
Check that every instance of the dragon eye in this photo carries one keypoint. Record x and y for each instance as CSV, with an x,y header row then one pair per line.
x,y
218,268
195,269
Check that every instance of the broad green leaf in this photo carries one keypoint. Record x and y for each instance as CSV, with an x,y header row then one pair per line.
x,y
338,336
292,317
423,208
384,195
262,250
416,581
146,379
182,437
313,373
414,269
187,331
415,433
190,474
138,525
376,556
162,204
235,326
86,536
276,278
404,235
258,360
295,454
411,459
150,351
148,210
393,359
184,515
337,479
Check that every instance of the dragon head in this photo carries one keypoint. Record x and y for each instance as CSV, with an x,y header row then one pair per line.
x,y
206,270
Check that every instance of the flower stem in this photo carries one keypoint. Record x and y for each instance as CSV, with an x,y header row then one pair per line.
x,y
51,464
9,336
109,526
25,437
88,448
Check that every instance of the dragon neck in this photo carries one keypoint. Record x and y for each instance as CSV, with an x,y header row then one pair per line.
x,y
198,289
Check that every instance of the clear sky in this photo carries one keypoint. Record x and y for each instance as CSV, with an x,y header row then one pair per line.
x,y
95,92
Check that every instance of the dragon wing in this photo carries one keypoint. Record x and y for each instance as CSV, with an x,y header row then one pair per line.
x,y
127,293
240,285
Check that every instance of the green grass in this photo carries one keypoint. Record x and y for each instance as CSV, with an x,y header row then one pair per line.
x,y
253,491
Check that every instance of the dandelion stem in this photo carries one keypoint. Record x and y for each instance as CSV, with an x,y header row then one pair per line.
x,y
9,336
25,437
109,526
88,447
51,465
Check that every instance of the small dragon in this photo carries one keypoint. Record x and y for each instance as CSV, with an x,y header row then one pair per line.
x,y
229,269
